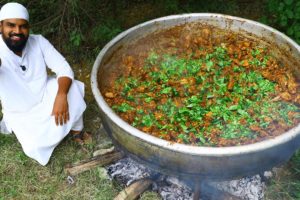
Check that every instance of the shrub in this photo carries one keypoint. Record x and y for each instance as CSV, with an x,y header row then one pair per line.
x,y
285,16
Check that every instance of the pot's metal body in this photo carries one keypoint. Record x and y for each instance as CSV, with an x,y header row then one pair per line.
x,y
191,161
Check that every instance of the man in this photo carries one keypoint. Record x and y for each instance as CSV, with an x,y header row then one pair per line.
x,y
40,110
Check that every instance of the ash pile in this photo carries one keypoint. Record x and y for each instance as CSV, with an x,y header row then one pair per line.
x,y
126,171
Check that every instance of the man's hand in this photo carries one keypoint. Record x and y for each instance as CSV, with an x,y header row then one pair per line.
x,y
61,107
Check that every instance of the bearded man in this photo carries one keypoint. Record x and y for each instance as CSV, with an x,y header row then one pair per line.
x,y
38,109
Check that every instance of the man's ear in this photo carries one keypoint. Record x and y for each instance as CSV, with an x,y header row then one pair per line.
x,y
1,27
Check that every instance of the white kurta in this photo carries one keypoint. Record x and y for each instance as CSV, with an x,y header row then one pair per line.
x,y
28,96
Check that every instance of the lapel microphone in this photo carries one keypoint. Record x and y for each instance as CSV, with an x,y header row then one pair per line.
x,y
23,67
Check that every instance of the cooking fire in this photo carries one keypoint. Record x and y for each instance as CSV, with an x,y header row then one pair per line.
x,y
137,178
127,171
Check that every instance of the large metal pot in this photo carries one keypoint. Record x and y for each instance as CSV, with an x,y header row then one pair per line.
x,y
191,161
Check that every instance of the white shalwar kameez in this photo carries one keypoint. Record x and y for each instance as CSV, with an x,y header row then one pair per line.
x,y
27,96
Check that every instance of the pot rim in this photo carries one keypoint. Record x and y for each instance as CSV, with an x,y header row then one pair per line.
x,y
189,149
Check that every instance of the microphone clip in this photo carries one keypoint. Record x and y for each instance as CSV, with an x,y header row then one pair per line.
x,y
23,67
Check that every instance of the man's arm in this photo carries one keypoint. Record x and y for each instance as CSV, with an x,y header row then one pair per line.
x,y
61,107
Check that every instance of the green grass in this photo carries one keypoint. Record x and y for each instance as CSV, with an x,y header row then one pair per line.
x,y
23,178
286,184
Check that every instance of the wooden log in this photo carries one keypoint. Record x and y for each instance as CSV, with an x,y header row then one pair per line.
x,y
133,191
88,164
103,151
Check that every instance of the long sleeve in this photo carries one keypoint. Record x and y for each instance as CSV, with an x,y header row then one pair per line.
x,y
54,60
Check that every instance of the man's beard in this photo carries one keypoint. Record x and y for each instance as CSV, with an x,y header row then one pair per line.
x,y
15,46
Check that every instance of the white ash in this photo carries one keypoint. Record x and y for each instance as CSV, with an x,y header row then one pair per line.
x,y
248,188
171,188
268,174
127,171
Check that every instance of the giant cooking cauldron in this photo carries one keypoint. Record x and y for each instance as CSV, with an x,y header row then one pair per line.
x,y
191,161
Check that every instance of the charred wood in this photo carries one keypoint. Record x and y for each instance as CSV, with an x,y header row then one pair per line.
x,y
100,160
134,190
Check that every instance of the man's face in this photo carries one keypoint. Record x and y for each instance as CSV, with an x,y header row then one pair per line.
x,y
15,33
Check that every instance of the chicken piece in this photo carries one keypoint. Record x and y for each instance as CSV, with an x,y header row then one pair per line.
x,y
209,116
172,44
192,81
230,84
128,61
109,95
297,99
245,63
152,104
263,133
140,89
268,119
199,41
206,33
236,61
282,81
146,129
231,50
286,96
150,94
197,54
168,137
255,128
291,84
178,102
184,81
267,74
292,87
243,121
179,141
193,138
192,89
246,44
158,115
187,41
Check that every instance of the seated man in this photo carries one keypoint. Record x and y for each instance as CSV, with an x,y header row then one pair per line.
x,y
40,110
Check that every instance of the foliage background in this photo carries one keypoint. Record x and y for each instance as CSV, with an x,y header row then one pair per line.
x,y
79,29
